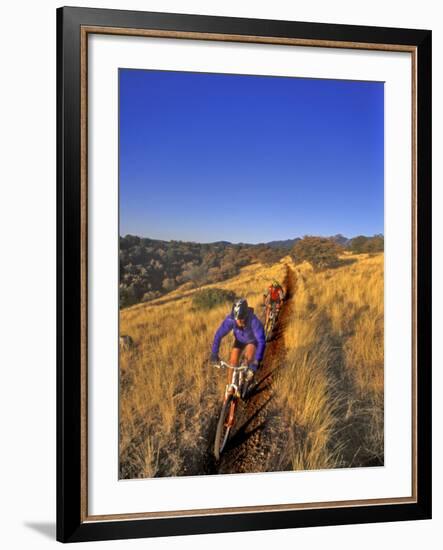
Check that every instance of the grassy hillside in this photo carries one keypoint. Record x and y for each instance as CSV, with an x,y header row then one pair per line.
x,y
150,268
333,381
169,396
328,393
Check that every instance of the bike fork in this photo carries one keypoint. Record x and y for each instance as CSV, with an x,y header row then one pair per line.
x,y
230,419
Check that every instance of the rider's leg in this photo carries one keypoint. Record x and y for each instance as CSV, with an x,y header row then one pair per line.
x,y
234,359
250,352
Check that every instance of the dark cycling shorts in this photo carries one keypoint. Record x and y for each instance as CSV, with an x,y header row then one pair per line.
x,y
241,345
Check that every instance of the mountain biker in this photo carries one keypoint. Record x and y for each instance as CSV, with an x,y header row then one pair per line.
x,y
249,336
273,295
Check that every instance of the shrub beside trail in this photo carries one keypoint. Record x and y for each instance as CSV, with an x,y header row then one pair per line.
x,y
209,298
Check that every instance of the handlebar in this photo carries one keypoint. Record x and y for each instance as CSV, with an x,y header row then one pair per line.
x,y
223,365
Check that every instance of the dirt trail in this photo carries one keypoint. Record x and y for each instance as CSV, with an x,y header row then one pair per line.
x,y
259,437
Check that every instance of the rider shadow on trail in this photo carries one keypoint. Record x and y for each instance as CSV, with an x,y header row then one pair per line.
x,y
261,386
242,434
240,438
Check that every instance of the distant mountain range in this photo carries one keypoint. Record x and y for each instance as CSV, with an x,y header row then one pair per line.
x,y
289,243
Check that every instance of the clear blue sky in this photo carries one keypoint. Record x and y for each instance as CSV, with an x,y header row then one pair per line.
x,y
208,157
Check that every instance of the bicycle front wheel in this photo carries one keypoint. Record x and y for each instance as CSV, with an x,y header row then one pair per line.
x,y
224,426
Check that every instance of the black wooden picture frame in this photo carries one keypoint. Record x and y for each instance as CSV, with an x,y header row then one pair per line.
x,y
73,25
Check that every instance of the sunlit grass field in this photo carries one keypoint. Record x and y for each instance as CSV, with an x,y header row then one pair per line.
x,y
169,396
329,389
332,385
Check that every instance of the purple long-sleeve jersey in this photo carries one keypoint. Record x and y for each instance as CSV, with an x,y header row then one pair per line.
x,y
252,333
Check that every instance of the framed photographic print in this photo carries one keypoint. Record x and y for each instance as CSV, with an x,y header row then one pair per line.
x,y
244,274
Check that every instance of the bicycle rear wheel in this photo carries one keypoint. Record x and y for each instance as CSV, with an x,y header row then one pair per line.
x,y
223,429
268,329
274,319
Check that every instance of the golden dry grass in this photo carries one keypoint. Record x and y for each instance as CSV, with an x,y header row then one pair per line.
x,y
328,393
333,382
169,396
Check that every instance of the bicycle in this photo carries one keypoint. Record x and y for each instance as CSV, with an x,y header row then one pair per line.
x,y
235,390
271,321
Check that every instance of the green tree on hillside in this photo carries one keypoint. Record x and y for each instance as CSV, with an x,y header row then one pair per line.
x,y
320,252
369,245
196,274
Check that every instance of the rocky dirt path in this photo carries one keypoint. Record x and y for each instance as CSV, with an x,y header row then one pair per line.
x,y
257,442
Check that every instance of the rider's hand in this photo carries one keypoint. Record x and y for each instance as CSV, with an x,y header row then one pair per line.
x,y
249,374
214,358
255,365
